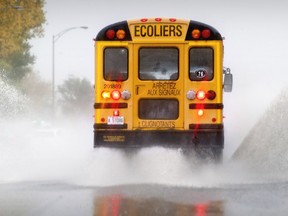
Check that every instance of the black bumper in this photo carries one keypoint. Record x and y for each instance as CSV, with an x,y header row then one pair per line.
x,y
200,137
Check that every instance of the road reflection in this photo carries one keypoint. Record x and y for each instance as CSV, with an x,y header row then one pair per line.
x,y
116,205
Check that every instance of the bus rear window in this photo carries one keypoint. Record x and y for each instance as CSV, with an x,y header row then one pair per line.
x,y
201,63
158,63
115,64
166,109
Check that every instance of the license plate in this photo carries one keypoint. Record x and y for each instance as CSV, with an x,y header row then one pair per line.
x,y
115,120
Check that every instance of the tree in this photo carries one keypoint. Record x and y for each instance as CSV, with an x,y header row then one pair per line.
x,y
39,93
20,21
76,96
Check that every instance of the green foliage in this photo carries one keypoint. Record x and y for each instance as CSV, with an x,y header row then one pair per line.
x,y
76,96
20,21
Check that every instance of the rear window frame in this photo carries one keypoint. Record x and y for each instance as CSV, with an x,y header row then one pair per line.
x,y
204,67
160,101
159,47
105,74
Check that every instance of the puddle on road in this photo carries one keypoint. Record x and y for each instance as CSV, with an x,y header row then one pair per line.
x,y
70,157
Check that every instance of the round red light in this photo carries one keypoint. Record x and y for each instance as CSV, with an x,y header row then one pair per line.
x,y
144,20
158,19
211,95
201,95
206,33
110,34
200,112
116,95
172,20
116,112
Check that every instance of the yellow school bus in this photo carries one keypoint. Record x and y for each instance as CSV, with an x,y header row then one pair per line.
x,y
160,81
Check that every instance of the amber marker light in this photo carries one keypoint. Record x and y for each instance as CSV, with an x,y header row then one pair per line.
x,y
120,34
196,34
105,95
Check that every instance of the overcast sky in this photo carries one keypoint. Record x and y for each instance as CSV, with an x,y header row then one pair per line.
x,y
255,45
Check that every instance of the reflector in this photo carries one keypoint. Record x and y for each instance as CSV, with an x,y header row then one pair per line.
x,y
190,95
126,95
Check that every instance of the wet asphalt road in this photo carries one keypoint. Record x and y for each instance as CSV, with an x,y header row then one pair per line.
x,y
54,198
51,177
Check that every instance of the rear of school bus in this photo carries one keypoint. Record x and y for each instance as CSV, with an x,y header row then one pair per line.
x,y
159,82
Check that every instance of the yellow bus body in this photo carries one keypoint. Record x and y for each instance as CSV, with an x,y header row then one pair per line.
x,y
128,120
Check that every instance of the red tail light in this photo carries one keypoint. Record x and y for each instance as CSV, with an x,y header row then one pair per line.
x,y
206,33
116,95
211,95
201,95
116,112
200,112
110,34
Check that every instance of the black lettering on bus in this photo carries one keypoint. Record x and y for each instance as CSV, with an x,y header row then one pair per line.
x,y
150,31
157,124
165,30
179,30
172,30
164,85
142,31
137,31
156,32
